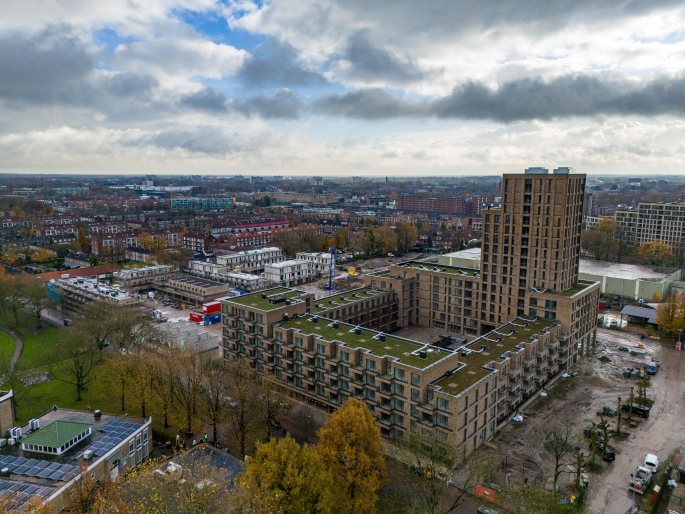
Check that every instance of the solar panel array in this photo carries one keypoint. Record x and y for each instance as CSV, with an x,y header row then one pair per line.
x,y
115,432
38,468
19,494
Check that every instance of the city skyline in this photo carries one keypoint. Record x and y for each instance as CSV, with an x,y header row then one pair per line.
x,y
341,88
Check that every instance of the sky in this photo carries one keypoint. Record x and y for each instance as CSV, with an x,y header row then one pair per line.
x,y
342,87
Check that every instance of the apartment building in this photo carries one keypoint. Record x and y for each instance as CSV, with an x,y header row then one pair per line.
x,y
663,222
193,290
318,350
200,204
251,261
289,273
136,280
320,261
223,274
77,291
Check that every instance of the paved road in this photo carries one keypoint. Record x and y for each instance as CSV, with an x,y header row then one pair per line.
x,y
661,434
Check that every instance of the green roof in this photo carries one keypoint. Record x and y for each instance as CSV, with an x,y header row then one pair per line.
x,y
56,434
397,347
472,365
343,299
442,268
573,290
255,300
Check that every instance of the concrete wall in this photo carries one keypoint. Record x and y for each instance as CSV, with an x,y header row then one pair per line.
x,y
633,288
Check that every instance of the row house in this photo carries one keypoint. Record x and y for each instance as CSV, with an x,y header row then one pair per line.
x,y
112,244
198,241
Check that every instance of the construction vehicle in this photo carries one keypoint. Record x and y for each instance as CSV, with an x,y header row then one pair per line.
x,y
639,482
352,271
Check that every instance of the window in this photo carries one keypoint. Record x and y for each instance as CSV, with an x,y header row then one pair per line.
x,y
399,389
399,374
370,380
320,349
299,342
398,405
370,365
416,395
279,336
442,404
441,420
345,356
370,394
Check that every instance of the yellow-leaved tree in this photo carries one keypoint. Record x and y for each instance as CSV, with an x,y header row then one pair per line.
x,y
284,477
670,315
351,449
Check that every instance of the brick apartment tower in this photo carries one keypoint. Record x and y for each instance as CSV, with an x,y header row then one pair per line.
x,y
531,245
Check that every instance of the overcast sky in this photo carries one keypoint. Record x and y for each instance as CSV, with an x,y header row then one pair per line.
x,y
401,87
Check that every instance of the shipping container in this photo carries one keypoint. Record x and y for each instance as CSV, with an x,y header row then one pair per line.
x,y
197,317
211,307
213,318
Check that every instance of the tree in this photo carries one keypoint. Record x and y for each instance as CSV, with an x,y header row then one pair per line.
x,y
12,296
406,236
81,240
244,414
141,370
187,384
215,388
163,380
656,252
37,298
618,418
593,242
350,447
286,478
430,469
77,362
272,404
558,441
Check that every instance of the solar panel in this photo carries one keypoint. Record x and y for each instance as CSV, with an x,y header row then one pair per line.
x,y
30,489
20,461
21,470
54,466
45,491
15,487
42,464
57,475
45,473
31,462
9,458
33,472
4,484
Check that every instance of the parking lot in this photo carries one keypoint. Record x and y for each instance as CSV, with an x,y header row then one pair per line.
x,y
576,400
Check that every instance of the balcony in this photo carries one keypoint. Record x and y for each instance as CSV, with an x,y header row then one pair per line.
x,y
514,373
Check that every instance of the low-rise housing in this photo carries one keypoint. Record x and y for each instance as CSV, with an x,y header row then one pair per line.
x,y
288,273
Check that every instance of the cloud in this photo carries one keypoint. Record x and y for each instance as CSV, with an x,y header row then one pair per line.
x,y
364,61
201,139
282,105
43,67
575,95
207,99
277,63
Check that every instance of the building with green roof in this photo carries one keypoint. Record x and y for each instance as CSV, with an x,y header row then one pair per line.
x,y
56,438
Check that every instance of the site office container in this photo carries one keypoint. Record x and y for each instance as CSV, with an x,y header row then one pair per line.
x,y
211,307
197,317
213,318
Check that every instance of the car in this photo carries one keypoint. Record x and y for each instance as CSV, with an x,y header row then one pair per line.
x,y
275,424
606,452
67,322
485,510
623,349
613,324
105,343
652,462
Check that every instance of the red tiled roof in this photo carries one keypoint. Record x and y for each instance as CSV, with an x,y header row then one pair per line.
x,y
79,272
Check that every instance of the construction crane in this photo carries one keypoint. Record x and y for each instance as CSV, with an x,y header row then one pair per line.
x,y
331,264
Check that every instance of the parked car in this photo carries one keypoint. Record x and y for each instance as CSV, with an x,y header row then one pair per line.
x,y
606,452
68,322
485,510
623,349
275,424
613,324
652,462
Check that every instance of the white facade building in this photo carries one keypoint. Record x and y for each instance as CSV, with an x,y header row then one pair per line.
x,y
321,262
289,273
251,260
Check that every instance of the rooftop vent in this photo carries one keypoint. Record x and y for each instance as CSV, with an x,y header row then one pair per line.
x,y
464,354
335,324
422,354
357,330
314,319
264,296
285,316
381,337
483,348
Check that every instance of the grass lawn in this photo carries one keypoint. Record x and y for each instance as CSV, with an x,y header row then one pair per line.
x,y
6,347
38,349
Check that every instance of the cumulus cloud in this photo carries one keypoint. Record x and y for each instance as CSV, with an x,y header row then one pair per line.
x,y
277,63
283,104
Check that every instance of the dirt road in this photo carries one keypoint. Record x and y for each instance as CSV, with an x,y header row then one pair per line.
x,y
661,434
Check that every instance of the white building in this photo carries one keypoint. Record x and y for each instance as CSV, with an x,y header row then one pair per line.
x,y
288,273
224,274
251,260
321,262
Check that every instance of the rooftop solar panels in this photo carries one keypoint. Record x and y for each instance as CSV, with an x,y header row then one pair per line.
x,y
116,431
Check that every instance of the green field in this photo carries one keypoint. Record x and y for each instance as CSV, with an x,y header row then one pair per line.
x,y
6,347
38,349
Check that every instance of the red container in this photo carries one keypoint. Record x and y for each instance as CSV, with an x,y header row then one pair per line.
x,y
602,305
197,317
209,308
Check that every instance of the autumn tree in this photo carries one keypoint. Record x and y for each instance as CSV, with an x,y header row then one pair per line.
x,y
37,299
351,449
670,315
272,403
81,240
187,384
406,236
656,252
244,413
163,381
12,293
284,477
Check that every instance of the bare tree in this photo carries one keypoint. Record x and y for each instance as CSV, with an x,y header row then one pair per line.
x,y
214,393
273,403
77,362
244,413
558,441
187,384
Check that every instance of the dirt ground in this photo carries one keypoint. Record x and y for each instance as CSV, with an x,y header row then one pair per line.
x,y
576,400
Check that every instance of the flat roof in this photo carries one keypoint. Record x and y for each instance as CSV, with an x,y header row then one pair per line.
x,y
622,270
466,253
291,262
57,433
195,281
472,366
256,301
343,299
405,350
441,268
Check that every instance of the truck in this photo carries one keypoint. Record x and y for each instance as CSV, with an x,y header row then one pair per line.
x,y
211,307
653,366
639,482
